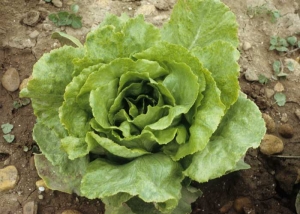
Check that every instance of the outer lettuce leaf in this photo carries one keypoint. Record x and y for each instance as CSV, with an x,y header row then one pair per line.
x,y
51,74
109,43
154,178
200,22
220,58
67,180
241,128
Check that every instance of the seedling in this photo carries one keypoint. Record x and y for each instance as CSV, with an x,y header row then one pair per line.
x,y
263,79
263,10
65,18
20,103
9,138
280,99
284,45
6,128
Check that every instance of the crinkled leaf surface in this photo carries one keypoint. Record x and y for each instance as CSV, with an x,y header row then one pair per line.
x,y
241,128
200,22
155,178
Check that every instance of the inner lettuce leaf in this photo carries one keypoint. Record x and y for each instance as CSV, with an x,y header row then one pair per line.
x,y
136,113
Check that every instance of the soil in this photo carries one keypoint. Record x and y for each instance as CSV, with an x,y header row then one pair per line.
x,y
270,186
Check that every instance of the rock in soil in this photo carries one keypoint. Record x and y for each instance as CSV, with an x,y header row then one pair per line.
x,y
284,118
71,212
31,18
8,178
30,208
286,130
269,92
251,76
271,144
57,3
297,113
246,46
40,184
34,34
242,203
279,87
147,10
270,124
11,80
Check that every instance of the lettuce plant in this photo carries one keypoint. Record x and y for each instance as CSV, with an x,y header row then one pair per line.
x,y
137,113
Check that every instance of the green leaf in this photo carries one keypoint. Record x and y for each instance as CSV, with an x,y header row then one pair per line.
x,y
283,42
196,23
263,79
280,99
272,47
277,66
76,21
290,66
9,138
220,58
282,49
241,128
292,40
47,87
66,39
6,128
74,8
154,178
63,18
274,41
67,180
54,18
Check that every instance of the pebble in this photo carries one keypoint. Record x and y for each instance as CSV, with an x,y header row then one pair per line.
x,y
241,203
284,118
279,87
246,46
31,18
71,212
57,3
147,10
47,27
30,208
250,75
34,34
24,83
40,184
41,197
8,178
270,145
11,80
270,124
297,113
286,130
269,92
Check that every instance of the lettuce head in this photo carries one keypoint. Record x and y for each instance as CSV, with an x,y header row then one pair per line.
x,y
136,113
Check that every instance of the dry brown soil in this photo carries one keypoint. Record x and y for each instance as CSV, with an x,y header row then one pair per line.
x,y
270,186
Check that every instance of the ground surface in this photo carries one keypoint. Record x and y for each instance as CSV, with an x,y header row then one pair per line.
x,y
270,186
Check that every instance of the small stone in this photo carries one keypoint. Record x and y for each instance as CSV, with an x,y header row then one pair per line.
x,y
8,178
241,203
270,145
270,124
246,46
284,118
40,184
278,87
269,92
41,197
226,207
286,130
24,83
31,18
30,208
297,113
147,10
11,79
34,34
57,3
250,75
71,212
47,27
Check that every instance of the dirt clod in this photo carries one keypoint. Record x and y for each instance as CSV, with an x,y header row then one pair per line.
x,y
250,75
31,18
57,3
279,87
71,212
271,145
286,130
241,203
8,178
30,208
11,80
270,124
246,46
147,10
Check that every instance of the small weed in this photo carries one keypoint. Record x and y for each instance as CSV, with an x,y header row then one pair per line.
x,y
280,99
65,18
20,103
6,129
284,45
263,79
263,10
